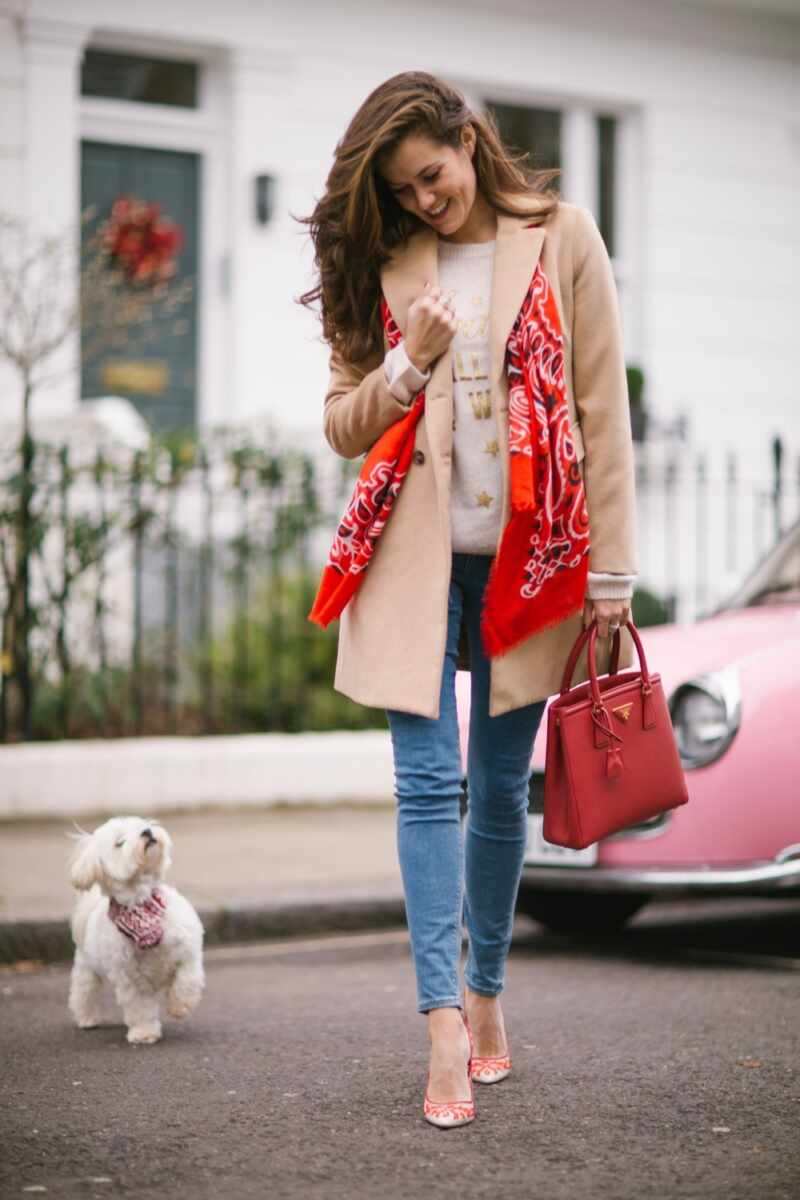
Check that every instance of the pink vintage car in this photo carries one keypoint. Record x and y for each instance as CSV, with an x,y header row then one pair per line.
x,y
732,681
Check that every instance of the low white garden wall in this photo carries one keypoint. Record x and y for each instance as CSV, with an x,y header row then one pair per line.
x,y
160,775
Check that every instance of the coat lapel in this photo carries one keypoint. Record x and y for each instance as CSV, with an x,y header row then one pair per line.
x,y
516,255
403,280
404,277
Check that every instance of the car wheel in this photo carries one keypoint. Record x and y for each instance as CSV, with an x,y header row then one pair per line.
x,y
580,913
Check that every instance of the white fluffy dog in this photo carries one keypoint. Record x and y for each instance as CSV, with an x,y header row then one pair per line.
x,y
132,929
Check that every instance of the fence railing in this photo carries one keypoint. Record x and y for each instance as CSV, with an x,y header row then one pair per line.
x,y
167,590
705,521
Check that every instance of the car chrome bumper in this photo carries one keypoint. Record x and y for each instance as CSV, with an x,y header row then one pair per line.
x,y
762,878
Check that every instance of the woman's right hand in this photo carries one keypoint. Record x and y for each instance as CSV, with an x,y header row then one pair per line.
x,y
430,328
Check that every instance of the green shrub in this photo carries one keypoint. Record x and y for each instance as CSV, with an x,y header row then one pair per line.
x,y
648,609
274,670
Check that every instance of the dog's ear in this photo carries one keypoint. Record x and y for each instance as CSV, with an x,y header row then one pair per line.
x,y
166,861
85,864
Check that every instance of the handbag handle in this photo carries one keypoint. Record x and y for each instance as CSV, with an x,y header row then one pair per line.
x,y
566,681
646,685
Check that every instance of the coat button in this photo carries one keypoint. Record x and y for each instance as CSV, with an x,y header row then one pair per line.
x,y
419,457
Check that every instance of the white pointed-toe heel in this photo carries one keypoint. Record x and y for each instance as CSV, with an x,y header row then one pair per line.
x,y
491,1068
447,1114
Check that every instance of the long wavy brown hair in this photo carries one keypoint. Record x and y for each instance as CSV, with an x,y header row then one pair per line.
x,y
358,221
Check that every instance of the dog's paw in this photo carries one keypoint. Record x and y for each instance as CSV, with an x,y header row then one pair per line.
x,y
89,1023
179,1008
144,1035
183,998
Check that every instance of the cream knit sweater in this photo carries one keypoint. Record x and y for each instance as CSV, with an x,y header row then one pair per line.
x,y
465,276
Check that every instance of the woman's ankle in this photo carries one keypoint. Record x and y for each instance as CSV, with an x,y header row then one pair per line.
x,y
479,999
486,1021
445,1022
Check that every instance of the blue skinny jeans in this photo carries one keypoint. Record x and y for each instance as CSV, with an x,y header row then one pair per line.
x,y
450,877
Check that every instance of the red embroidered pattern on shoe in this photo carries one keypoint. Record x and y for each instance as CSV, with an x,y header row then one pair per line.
x,y
539,574
143,923
490,1064
453,1110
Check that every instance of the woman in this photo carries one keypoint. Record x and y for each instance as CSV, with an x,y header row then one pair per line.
x,y
475,352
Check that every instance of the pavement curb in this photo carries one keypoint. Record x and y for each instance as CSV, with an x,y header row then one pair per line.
x,y
51,941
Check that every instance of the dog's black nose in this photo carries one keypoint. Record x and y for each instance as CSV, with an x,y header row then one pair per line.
x,y
148,833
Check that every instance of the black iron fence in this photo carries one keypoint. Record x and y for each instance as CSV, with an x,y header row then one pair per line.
x,y
167,590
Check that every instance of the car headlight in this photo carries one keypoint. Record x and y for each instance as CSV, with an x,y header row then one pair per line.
x,y
706,714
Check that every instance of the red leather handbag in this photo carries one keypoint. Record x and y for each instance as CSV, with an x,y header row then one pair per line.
x,y
611,758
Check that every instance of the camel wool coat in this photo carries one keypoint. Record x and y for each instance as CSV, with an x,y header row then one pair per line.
x,y
392,633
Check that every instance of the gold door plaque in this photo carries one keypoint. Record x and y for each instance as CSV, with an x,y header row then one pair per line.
x,y
149,377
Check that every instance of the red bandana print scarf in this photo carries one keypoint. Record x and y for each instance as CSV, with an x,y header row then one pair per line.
x,y
142,923
538,576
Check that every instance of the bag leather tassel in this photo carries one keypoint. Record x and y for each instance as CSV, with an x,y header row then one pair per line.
x,y
614,762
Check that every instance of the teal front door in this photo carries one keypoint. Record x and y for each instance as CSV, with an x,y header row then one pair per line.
x,y
154,366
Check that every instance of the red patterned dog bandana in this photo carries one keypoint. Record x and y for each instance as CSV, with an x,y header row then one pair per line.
x,y
538,577
142,923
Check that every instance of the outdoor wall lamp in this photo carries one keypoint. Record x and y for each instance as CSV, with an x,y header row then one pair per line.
x,y
265,198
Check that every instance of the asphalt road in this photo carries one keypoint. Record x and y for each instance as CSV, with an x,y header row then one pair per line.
x,y
663,1063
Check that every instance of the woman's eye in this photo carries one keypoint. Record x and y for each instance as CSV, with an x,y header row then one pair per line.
x,y
425,179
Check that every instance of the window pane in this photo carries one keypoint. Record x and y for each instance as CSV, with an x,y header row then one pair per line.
x,y
606,175
536,131
132,77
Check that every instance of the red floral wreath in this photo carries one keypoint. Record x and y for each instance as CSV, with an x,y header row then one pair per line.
x,y
142,242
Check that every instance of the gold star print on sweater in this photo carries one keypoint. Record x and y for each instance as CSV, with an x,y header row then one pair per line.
x,y
465,273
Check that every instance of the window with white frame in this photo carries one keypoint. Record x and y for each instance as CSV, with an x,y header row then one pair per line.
x,y
580,143
595,149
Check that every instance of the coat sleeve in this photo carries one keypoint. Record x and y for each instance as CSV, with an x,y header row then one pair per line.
x,y
601,398
358,405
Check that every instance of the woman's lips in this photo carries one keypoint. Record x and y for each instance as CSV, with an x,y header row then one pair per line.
x,y
441,215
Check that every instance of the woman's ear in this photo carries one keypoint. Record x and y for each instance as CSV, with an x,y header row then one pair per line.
x,y
85,865
468,139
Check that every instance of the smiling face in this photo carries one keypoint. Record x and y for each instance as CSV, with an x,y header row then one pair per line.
x,y
434,181
123,851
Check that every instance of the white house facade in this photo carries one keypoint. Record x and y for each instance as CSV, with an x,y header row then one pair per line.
x,y
677,124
